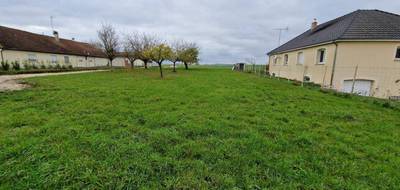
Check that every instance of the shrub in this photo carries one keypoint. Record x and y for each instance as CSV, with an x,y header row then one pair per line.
x,y
50,66
27,66
58,66
16,66
5,66
70,67
63,67
34,66
42,66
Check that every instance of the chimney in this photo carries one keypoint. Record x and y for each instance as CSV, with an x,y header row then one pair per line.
x,y
314,24
55,33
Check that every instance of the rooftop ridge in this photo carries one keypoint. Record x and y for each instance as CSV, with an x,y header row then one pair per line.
x,y
43,35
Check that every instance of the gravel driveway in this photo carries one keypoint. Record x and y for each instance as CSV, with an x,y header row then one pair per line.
x,y
10,82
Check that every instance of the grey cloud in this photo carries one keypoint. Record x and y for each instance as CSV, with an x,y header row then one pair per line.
x,y
227,31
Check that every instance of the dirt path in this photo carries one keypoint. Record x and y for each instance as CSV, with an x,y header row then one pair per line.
x,y
10,82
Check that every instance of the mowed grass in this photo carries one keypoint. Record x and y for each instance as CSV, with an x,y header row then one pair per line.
x,y
206,128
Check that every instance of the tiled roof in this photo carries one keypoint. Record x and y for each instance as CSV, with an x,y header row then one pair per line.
x,y
358,25
13,39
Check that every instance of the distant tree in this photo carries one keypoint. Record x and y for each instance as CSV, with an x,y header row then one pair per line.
x,y
108,41
132,47
178,47
160,53
190,54
148,42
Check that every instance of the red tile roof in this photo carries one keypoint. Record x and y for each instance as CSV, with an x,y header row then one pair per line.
x,y
13,39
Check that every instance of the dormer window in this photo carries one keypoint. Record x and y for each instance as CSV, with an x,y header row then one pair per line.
x,y
398,53
321,56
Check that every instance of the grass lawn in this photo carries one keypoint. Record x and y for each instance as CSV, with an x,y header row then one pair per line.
x,y
206,128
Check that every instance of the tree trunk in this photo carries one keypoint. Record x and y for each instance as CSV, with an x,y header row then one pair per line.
x,y
132,63
145,64
174,67
161,73
111,63
186,66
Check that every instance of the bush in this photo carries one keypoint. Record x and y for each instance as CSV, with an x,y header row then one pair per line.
x,y
63,67
27,66
5,66
16,66
58,66
34,66
70,67
50,66
42,66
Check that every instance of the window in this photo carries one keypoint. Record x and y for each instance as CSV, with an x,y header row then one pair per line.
x,y
321,56
275,60
398,53
66,59
54,59
300,58
286,59
32,58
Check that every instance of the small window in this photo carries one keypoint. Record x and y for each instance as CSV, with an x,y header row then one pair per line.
x,y
300,58
276,60
54,59
32,58
398,53
286,59
66,59
321,56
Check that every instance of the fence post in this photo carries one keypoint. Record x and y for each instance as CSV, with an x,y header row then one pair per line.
x,y
354,79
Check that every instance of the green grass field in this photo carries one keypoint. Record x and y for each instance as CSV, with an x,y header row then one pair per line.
x,y
206,128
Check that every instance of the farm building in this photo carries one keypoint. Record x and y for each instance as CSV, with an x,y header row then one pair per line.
x,y
30,48
358,52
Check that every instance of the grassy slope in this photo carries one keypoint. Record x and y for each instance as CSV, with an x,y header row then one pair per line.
x,y
206,128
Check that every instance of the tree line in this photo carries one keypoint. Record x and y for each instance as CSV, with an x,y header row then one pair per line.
x,y
147,48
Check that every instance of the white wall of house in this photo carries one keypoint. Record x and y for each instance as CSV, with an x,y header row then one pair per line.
x,y
377,66
52,59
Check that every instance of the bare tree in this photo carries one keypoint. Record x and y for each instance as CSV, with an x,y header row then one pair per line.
x,y
178,47
132,47
147,43
109,41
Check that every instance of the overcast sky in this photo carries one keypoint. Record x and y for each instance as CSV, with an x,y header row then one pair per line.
x,y
227,31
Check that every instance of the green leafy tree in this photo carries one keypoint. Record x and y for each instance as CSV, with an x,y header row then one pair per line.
x,y
190,54
159,54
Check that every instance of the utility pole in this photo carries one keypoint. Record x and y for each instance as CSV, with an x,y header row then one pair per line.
x,y
280,33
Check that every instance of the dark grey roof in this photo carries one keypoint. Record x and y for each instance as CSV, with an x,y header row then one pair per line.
x,y
358,25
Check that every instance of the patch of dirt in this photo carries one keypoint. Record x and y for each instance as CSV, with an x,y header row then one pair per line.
x,y
11,82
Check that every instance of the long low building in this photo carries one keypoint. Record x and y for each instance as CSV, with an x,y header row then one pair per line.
x,y
30,48
356,53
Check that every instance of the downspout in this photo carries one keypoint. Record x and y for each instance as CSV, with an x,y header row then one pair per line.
x,y
334,64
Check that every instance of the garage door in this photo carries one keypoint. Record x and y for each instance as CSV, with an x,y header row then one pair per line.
x,y
361,87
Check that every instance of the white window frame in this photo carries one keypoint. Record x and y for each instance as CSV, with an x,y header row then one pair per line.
x,y
286,59
300,60
32,58
395,53
319,56
53,59
66,59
